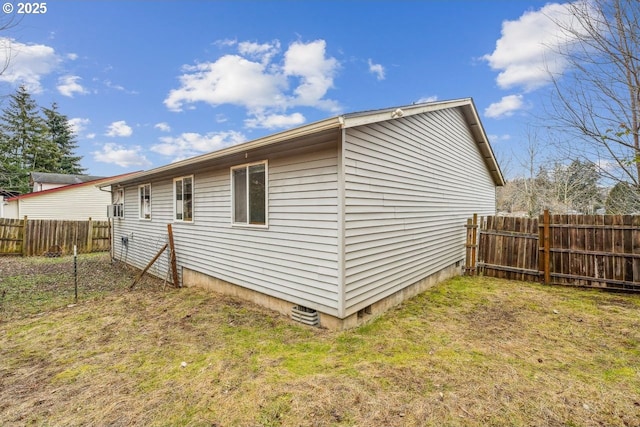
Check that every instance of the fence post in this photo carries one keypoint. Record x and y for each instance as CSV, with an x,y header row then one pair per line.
x,y
547,247
172,248
24,236
474,250
471,246
75,271
90,236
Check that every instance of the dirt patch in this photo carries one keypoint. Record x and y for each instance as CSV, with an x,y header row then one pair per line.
x,y
32,285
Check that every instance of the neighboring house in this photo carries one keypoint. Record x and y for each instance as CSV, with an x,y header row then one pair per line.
x,y
341,218
41,181
78,201
4,195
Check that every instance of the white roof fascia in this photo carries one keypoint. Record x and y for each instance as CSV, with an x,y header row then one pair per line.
x,y
480,136
471,116
344,121
369,117
302,131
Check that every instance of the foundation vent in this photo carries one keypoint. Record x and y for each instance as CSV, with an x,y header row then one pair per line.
x,y
305,315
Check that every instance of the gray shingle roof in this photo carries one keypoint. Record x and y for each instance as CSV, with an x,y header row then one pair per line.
x,y
61,178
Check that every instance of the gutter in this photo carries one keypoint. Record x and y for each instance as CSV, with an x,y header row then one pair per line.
x,y
300,132
340,122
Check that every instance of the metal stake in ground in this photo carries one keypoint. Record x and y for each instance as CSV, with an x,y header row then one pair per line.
x,y
75,270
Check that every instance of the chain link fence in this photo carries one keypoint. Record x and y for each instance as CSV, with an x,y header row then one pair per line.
x,y
32,285
150,253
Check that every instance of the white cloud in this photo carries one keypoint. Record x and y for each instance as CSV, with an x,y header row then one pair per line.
x,y
191,144
376,69
527,53
111,85
120,129
121,155
232,79
505,107
432,98
27,63
316,71
498,138
253,79
163,127
72,56
78,124
264,52
275,121
226,42
68,85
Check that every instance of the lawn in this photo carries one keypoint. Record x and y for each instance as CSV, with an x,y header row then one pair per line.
x,y
468,352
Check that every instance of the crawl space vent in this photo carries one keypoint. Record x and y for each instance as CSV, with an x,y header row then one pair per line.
x,y
305,315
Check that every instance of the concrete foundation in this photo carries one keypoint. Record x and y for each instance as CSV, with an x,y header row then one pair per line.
x,y
197,279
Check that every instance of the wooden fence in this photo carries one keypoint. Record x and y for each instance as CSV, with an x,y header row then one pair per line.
x,y
29,237
600,251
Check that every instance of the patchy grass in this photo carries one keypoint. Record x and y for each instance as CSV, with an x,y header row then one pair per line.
x,y
470,352
31,285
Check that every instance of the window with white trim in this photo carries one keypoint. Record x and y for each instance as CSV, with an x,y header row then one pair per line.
x,y
144,201
116,210
249,194
183,197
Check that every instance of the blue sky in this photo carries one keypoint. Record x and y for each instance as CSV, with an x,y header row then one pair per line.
x,y
145,83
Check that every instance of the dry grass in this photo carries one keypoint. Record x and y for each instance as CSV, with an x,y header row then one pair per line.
x,y
469,352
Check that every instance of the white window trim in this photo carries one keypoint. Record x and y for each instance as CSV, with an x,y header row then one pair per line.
x,y
140,217
122,192
193,199
266,195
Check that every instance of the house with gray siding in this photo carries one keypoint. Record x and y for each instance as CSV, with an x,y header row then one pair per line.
x,y
331,222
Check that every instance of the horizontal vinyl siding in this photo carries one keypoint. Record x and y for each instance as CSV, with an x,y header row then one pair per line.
x,y
74,204
146,237
10,210
294,259
410,185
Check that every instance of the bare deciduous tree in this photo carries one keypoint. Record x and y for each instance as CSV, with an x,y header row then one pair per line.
x,y
597,101
6,23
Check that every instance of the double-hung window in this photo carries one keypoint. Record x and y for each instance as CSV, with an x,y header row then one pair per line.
x,y
249,194
144,201
183,197
116,210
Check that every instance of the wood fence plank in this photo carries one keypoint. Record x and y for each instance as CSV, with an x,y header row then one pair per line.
x,y
580,250
618,248
35,237
635,247
627,220
547,247
599,240
588,261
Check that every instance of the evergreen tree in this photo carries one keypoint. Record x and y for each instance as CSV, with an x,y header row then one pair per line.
x,y
623,198
21,142
30,142
583,186
60,135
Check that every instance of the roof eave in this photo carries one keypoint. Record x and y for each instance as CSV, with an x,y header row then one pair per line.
x,y
299,132
471,115
343,121
481,139
369,117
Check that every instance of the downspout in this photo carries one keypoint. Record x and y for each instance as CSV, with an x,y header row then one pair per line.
x,y
111,233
